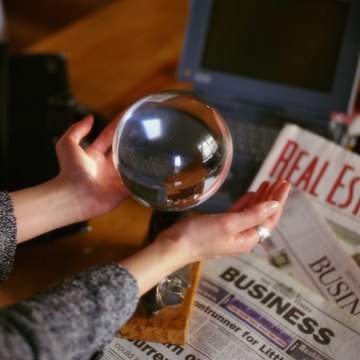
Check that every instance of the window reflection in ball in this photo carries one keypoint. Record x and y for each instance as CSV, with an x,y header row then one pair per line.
x,y
172,150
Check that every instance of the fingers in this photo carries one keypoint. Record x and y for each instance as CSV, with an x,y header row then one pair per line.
x,y
236,222
265,192
268,199
281,194
242,203
265,195
104,141
72,137
251,198
234,232
259,194
78,130
269,194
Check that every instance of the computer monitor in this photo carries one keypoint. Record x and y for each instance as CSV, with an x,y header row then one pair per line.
x,y
298,54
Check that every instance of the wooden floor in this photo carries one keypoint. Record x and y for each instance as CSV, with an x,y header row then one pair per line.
x,y
28,21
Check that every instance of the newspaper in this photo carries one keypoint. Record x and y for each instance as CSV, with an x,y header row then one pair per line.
x,y
247,309
304,246
329,173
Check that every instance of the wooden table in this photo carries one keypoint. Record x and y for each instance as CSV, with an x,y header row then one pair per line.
x,y
128,49
115,56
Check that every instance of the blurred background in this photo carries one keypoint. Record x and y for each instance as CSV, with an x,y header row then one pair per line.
x,y
31,21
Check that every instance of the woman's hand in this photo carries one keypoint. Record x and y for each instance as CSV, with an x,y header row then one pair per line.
x,y
87,186
90,172
202,237
217,235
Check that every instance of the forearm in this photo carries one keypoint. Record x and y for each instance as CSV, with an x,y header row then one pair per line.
x,y
45,207
153,263
71,320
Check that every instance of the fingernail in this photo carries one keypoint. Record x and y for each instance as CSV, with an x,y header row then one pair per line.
x,y
272,205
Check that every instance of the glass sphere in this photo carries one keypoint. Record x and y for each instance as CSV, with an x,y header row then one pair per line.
x,y
172,150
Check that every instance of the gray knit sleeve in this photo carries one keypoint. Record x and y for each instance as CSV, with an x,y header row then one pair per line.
x,y
7,235
71,320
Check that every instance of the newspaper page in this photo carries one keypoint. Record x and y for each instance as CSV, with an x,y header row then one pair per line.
x,y
247,309
329,173
304,246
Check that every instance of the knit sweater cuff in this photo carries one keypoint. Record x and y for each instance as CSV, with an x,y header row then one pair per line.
x,y
7,235
76,317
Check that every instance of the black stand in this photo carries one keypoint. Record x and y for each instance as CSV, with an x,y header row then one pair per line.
x,y
171,290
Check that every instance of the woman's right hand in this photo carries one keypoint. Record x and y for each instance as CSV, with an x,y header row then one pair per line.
x,y
217,235
209,236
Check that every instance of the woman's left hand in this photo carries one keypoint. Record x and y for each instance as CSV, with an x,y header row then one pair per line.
x,y
90,171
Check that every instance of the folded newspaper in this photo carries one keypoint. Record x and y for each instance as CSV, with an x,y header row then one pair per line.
x,y
304,246
329,173
248,309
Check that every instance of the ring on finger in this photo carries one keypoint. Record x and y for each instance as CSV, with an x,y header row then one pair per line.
x,y
263,232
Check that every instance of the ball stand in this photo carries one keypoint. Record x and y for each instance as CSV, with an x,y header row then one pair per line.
x,y
163,314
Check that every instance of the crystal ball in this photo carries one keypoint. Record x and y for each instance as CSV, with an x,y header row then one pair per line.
x,y
173,150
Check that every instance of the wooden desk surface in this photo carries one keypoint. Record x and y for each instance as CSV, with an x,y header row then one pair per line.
x,y
115,56
123,52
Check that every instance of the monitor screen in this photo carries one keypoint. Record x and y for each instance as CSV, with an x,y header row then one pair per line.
x,y
298,54
293,42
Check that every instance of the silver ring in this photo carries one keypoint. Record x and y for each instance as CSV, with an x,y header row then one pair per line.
x,y
263,233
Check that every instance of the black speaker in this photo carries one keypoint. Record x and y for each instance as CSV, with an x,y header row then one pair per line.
x,y
40,109
36,108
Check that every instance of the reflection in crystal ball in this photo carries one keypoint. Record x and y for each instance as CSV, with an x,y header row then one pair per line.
x,y
172,150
